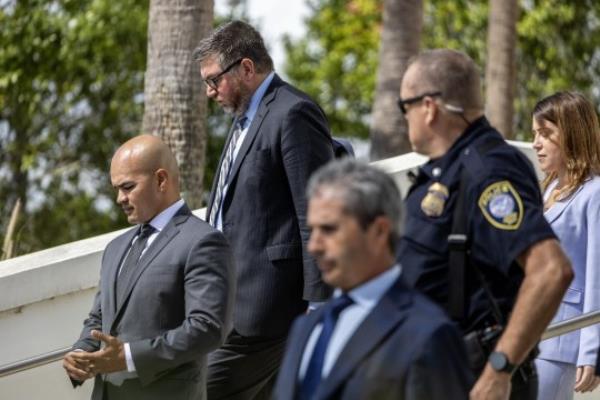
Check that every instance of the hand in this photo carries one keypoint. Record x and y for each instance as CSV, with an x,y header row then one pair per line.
x,y
491,385
586,379
77,369
111,358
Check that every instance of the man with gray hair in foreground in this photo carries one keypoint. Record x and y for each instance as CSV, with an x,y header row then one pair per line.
x,y
376,339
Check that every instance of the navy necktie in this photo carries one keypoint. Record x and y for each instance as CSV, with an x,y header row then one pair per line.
x,y
312,378
224,171
132,259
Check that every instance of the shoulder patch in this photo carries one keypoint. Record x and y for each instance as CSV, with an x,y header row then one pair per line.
x,y
502,206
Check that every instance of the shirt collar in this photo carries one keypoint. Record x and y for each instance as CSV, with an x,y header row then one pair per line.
x,y
369,293
162,219
257,97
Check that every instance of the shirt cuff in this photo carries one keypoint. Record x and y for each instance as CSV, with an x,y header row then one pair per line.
x,y
129,358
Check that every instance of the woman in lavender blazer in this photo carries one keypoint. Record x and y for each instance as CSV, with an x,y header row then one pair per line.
x,y
567,144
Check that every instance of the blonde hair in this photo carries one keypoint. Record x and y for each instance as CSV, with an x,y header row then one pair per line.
x,y
579,138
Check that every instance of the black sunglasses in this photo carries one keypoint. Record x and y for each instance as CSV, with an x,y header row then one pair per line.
x,y
213,82
403,103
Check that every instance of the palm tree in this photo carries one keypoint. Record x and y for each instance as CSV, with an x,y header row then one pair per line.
x,y
175,102
500,73
400,39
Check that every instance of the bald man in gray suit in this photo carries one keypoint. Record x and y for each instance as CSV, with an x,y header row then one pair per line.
x,y
166,289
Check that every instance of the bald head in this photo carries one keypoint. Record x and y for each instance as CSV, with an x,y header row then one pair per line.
x,y
147,153
145,174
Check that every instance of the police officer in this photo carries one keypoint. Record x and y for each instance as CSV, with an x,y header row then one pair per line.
x,y
475,239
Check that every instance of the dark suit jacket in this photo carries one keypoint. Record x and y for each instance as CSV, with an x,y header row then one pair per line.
x,y
405,349
178,309
264,211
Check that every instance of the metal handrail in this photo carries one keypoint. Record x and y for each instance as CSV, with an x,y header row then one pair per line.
x,y
572,324
33,362
557,329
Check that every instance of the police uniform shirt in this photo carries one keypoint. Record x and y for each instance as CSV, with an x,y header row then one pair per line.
x,y
504,214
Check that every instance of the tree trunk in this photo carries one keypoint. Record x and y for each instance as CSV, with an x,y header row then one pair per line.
x,y
175,103
500,74
400,39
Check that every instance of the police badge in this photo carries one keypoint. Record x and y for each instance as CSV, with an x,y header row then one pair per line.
x,y
502,206
433,203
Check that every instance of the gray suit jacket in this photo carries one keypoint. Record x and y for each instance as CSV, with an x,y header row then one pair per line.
x,y
264,211
178,309
406,348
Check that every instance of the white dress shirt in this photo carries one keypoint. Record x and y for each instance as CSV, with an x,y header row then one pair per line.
x,y
365,297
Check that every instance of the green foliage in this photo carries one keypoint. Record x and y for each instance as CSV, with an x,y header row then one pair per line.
x,y
459,24
71,80
71,91
558,49
557,46
336,61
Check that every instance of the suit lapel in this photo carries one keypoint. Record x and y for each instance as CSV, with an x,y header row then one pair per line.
x,y
560,206
113,268
293,359
261,113
163,238
383,319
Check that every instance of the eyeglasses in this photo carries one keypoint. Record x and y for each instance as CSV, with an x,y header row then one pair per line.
x,y
403,103
213,82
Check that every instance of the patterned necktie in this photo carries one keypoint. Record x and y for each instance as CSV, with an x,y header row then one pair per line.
x,y
225,169
132,259
314,371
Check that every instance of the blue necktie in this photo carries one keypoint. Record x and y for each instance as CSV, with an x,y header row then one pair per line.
x,y
314,371
224,171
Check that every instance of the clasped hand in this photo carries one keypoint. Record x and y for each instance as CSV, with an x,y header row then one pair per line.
x,y
82,365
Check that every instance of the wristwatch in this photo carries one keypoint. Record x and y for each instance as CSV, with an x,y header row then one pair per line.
x,y
500,363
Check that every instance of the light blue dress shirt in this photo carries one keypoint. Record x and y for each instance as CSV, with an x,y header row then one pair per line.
x,y
365,297
249,114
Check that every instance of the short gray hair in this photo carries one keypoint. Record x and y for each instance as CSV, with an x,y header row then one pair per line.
x,y
233,41
365,191
451,72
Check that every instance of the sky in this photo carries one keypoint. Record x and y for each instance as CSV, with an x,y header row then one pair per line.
x,y
274,19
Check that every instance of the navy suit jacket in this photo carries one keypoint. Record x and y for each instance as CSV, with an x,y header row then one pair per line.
x,y
264,211
406,348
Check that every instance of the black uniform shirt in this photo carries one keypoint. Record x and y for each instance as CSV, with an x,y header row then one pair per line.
x,y
504,212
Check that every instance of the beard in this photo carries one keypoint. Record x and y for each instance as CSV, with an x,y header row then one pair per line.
x,y
239,102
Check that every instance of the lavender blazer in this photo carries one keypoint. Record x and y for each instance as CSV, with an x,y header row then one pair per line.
x,y
576,222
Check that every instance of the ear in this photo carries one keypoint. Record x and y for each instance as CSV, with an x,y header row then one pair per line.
x,y
247,69
431,110
162,177
380,231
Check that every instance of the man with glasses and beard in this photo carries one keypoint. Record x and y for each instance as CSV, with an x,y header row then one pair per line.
x,y
278,138
476,240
